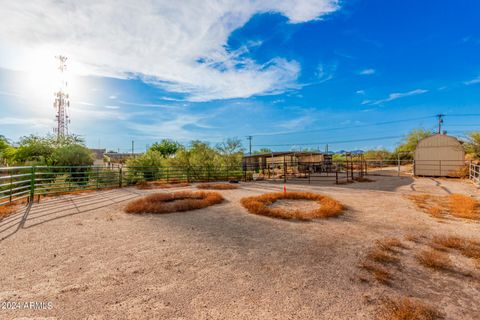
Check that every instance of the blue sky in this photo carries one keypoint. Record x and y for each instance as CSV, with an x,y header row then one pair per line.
x,y
294,74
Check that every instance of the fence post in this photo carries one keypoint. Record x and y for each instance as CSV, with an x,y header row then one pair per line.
x,y
11,185
32,184
398,162
284,170
120,177
440,166
97,175
336,176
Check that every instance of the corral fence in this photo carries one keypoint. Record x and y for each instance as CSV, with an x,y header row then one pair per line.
x,y
27,182
349,170
474,173
24,183
297,171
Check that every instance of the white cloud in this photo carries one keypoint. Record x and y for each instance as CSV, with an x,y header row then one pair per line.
x,y
360,92
34,122
395,96
177,127
112,97
177,45
367,72
112,107
473,81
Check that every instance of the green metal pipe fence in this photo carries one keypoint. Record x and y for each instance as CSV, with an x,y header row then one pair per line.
x,y
24,183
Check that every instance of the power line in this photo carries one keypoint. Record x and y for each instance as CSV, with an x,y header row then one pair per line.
x,y
329,142
344,127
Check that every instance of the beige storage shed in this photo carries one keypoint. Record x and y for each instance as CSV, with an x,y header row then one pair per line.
x,y
439,156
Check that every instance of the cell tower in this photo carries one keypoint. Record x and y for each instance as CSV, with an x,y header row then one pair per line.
x,y
62,101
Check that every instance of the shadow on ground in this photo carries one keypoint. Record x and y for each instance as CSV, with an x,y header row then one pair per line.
x,y
50,209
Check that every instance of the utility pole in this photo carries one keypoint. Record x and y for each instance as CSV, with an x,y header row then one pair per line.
x,y
440,122
62,101
133,147
249,138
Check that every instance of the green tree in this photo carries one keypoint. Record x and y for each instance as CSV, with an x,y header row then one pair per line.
x,y
472,145
71,155
7,151
231,152
34,150
166,147
262,150
146,167
378,154
409,143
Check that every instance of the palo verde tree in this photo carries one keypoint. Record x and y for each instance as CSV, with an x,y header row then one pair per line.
x,y
7,151
231,152
472,145
167,148
409,143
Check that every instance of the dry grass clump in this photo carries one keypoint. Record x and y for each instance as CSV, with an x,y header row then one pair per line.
x,y
406,309
457,205
380,256
464,207
261,205
379,273
8,209
467,247
174,202
217,186
390,244
145,185
435,260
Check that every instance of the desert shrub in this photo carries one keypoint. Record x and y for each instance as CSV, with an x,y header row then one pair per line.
x,y
261,205
147,167
217,186
173,202
406,309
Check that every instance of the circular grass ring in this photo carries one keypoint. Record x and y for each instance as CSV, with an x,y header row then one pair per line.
x,y
217,186
328,207
174,202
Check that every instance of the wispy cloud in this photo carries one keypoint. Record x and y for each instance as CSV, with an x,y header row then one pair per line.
x,y
473,81
147,105
395,96
185,51
35,122
367,72
296,123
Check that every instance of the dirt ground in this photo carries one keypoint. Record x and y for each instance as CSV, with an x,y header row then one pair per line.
x,y
84,258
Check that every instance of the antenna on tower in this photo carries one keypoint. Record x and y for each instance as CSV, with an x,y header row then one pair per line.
x,y
62,101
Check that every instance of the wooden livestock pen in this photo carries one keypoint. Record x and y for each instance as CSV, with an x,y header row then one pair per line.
x,y
300,166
